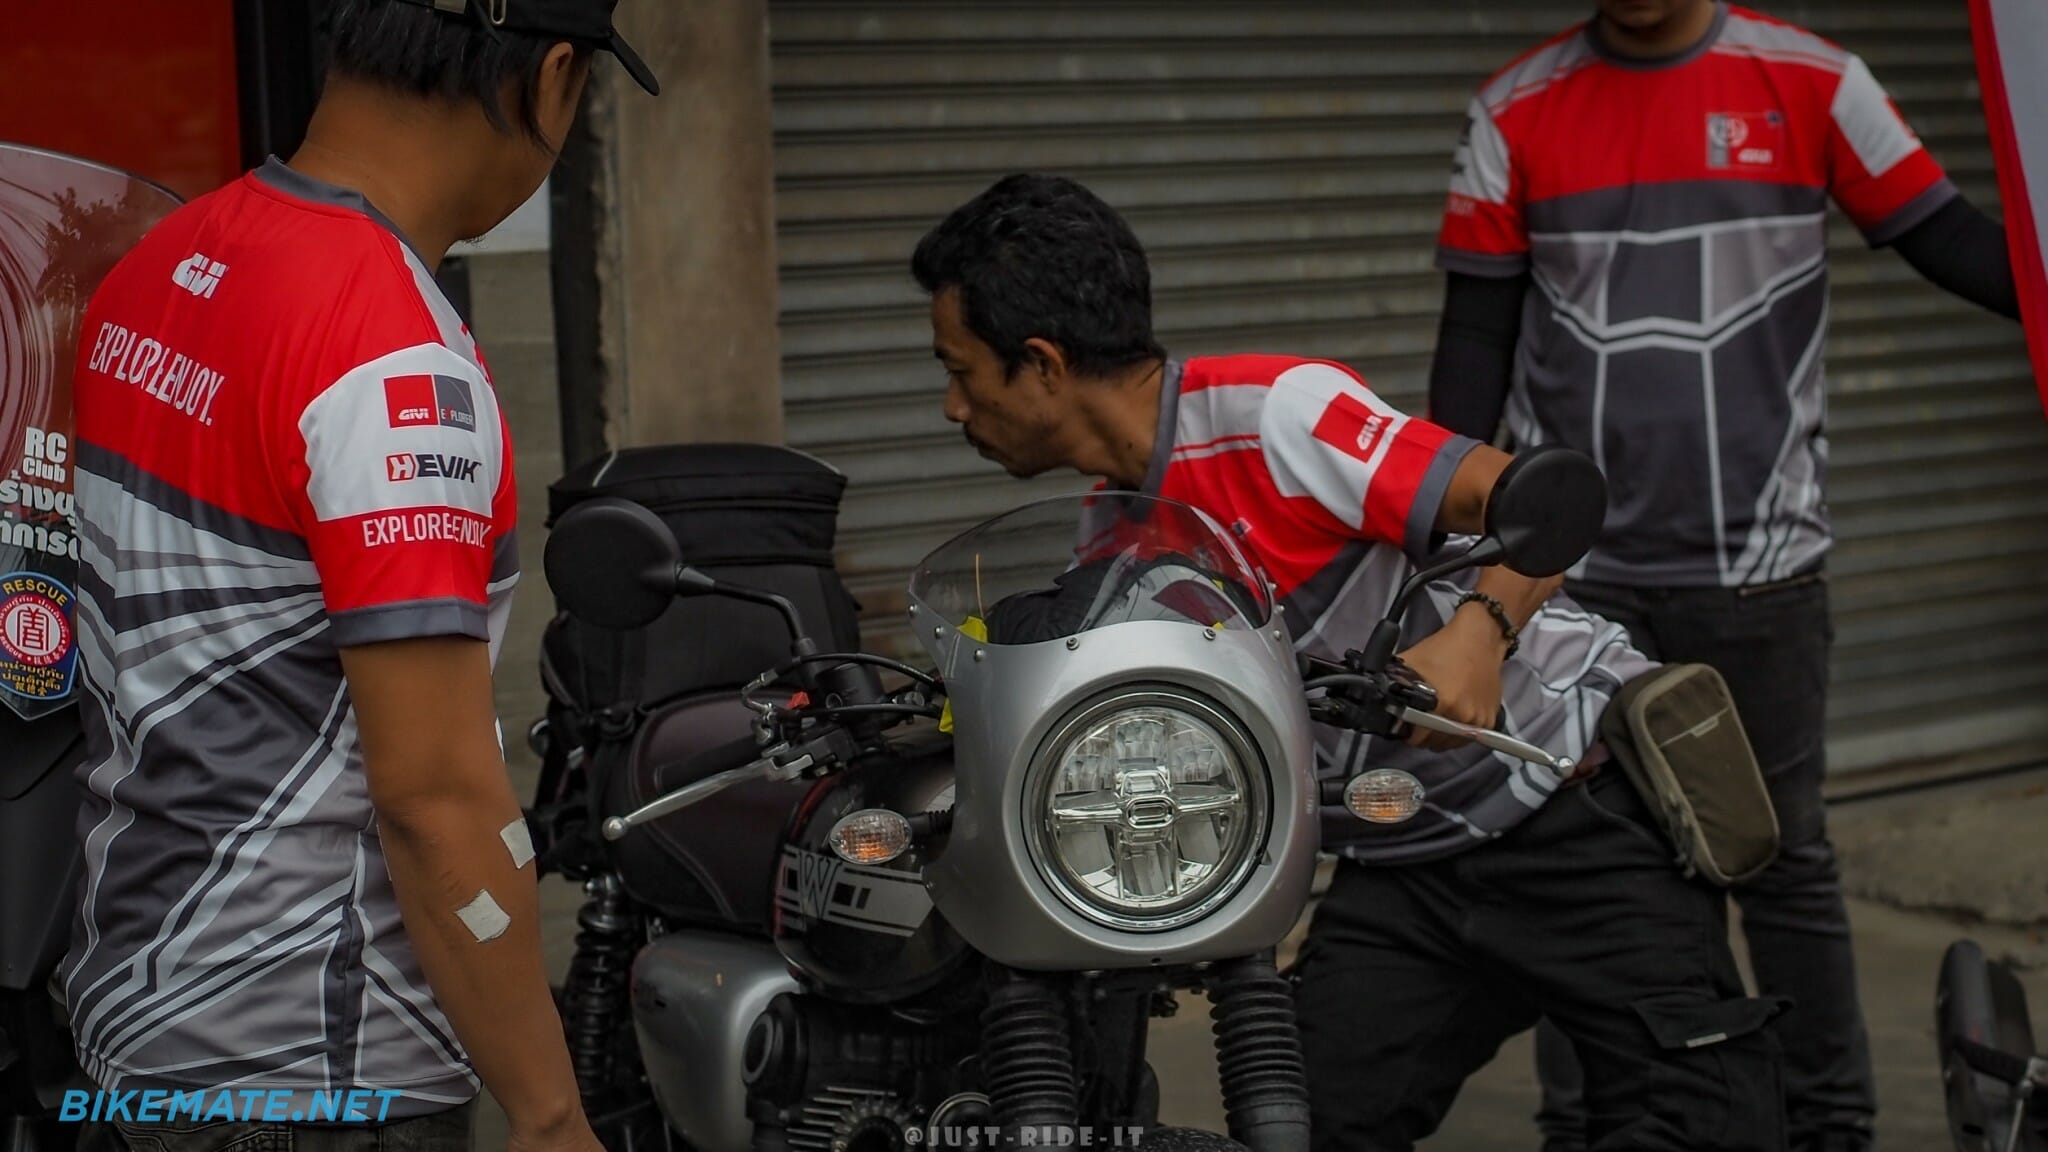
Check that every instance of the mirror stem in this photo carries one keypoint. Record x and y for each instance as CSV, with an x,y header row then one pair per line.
x,y
690,582
1379,647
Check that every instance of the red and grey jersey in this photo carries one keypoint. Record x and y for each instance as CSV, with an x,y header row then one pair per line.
x,y
1334,495
289,445
1673,217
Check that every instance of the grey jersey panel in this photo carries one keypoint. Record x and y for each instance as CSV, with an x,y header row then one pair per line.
x,y
1673,333
238,920
1553,692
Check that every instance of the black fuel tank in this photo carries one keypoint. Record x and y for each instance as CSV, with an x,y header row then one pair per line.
x,y
868,933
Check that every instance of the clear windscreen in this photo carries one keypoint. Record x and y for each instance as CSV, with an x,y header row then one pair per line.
x,y
1075,564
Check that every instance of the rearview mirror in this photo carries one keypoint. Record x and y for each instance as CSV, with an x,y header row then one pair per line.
x,y
613,563
1546,510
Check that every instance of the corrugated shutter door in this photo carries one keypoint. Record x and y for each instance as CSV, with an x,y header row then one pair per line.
x,y
1285,165
1939,471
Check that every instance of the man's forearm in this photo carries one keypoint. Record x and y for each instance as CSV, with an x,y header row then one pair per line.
x,y
1475,630
474,920
1519,594
1961,249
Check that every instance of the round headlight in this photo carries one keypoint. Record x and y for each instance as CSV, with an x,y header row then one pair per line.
x,y
1146,811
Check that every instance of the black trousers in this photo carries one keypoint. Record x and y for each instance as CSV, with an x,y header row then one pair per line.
x,y
1412,976
1771,645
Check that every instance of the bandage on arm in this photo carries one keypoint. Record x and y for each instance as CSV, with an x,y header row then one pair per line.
x,y
462,873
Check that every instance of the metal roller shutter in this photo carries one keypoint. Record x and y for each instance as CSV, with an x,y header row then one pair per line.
x,y
1939,474
1285,163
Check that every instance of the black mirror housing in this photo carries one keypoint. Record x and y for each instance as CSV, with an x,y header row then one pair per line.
x,y
1546,510
613,563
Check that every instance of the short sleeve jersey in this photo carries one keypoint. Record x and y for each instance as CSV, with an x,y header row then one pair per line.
x,y
289,444
1672,215
1335,494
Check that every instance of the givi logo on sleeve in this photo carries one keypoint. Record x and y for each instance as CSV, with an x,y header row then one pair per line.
x,y
423,401
1352,428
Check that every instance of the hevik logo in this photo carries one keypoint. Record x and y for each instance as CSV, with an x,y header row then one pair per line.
x,y
420,401
199,276
429,466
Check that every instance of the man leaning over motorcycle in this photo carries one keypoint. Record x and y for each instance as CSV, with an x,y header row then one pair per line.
x,y
1509,893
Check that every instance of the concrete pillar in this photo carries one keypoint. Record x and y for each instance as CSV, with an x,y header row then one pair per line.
x,y
676,195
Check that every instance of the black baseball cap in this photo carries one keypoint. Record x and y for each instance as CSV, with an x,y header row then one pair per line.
x,y
577,21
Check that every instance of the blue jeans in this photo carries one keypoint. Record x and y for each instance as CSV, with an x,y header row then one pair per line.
x,y
1771,645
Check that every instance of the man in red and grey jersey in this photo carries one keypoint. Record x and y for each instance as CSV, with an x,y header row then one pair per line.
x,y
1512,893
307,877
1636,246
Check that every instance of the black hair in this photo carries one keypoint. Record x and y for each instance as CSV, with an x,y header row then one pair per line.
x,y
1041,256
422,52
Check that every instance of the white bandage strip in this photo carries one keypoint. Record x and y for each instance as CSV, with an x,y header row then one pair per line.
x,y
484,919
518,841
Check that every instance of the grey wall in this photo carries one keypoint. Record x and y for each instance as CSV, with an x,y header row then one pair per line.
x,y
515,324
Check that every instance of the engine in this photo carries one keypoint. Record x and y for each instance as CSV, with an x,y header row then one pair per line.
x,y
825,1077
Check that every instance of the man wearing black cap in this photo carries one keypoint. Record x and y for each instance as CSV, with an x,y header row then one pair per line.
x,y
308,918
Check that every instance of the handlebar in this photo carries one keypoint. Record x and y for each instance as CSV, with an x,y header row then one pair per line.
x,y
789,740
2001,1065
1384,701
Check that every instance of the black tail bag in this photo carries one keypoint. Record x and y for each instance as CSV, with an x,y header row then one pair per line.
x,y
753,514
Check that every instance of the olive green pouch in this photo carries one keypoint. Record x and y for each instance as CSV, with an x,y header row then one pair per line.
x,y
1676,734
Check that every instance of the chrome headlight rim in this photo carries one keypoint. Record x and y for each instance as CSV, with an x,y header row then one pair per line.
x,y
1044,766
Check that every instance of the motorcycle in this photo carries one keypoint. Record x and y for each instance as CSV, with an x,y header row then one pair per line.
x,y
64,222
1001,870
1990,1069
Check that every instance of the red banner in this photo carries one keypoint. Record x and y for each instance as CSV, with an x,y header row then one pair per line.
x,y
2012,44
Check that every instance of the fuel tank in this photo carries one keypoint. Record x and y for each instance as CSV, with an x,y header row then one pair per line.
x,y
711,864
868,933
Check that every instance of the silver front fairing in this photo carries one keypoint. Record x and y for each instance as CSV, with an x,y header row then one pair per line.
x,y
1012,702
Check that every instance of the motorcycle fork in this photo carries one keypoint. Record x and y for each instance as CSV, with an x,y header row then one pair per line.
x,y
1111,1021
1027,1054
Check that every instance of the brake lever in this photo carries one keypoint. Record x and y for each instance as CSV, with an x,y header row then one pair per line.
x,y
766,768
1498,741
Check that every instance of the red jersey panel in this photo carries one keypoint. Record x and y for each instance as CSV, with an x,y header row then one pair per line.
x,y
1310,459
